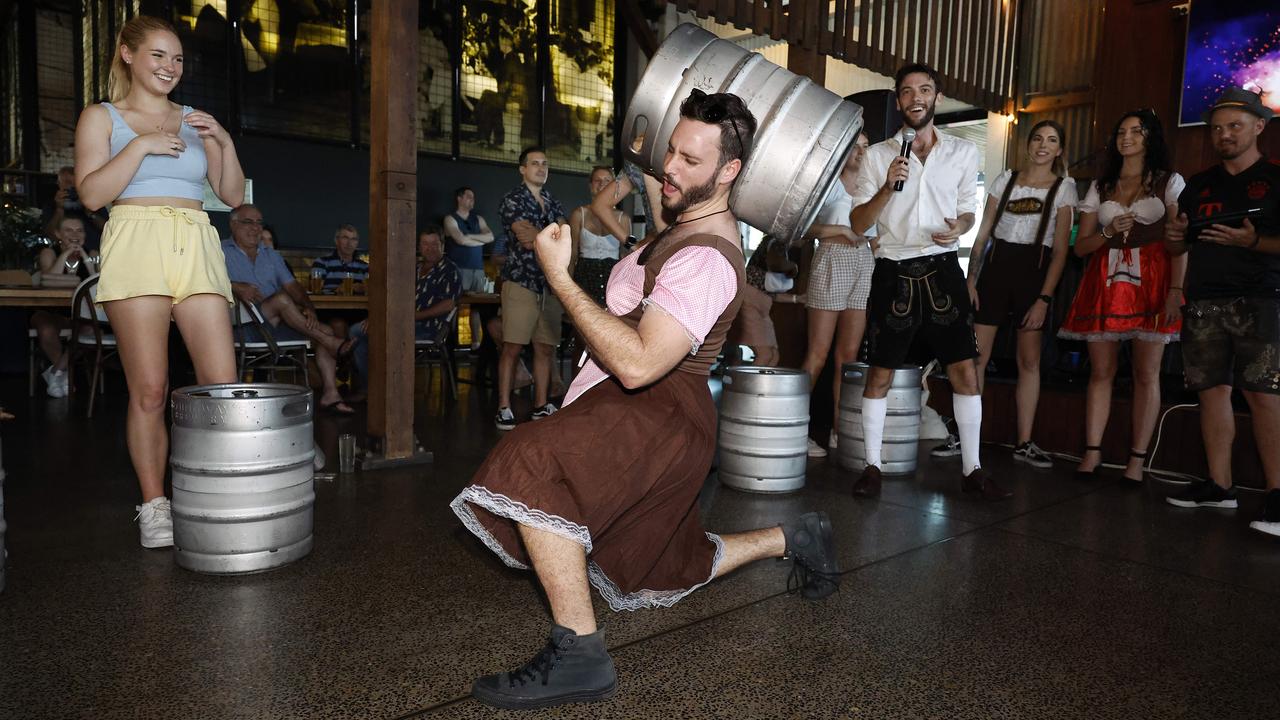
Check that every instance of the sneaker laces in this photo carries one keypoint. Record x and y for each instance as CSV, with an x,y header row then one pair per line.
x,y
803,575
540,666
155,507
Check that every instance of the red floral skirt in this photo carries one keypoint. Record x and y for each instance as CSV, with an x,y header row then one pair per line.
x,y
1122,297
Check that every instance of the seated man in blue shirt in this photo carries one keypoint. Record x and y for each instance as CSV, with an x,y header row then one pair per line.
x,y
259,275
438,290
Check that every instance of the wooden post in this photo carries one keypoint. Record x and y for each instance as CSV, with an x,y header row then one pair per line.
x,y
393,194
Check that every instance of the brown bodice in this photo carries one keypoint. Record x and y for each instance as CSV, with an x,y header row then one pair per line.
x,y
1140,234
700,362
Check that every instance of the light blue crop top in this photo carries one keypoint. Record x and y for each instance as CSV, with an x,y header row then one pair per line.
x,y
162,175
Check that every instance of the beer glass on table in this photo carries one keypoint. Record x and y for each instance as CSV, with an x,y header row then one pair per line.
x,y
317,281
348,283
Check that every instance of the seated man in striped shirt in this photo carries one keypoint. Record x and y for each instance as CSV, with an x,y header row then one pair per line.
x,y
335,268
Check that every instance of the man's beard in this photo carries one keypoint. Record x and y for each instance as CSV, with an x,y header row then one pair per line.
x,y
928,117
1233,152
692,196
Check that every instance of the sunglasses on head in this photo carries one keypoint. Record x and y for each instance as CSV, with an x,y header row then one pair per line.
x,y
714,112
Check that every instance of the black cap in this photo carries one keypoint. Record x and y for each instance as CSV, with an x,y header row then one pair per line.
x,y
1240,99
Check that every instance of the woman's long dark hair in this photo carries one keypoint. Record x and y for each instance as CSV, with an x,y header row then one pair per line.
x,y
1155,159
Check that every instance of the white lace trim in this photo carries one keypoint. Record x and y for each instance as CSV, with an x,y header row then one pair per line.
x,y
648,598
1145,335
504,506
694,343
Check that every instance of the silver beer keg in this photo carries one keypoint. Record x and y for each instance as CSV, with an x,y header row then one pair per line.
x,y
243,496
764,429
804,131
901,423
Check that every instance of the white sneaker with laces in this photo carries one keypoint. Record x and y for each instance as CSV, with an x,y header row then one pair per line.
x,y
545,411
816,450
56,380
155,523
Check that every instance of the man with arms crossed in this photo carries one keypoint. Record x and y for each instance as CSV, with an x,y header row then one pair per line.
x,y
468,233
1231,322
918,289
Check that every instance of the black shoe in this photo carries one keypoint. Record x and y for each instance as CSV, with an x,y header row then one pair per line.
x,y
1270,521
570,669
1204,493
950,448
1090,475
814,573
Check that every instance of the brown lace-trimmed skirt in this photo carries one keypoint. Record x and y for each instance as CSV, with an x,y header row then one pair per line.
x,y
617,471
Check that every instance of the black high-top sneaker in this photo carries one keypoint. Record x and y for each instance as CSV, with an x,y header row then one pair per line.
x,y
571,668
811,548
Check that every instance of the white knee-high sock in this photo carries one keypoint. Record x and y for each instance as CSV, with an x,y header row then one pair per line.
x,y
873,412
968,411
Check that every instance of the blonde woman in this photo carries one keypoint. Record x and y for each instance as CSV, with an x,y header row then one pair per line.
x,y
161,259
1026,226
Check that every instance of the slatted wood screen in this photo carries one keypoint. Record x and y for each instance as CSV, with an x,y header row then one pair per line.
x,y
969,42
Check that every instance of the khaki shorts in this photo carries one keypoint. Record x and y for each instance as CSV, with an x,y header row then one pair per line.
x,y
161,250
527,316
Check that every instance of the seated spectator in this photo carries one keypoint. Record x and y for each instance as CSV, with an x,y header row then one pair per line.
x,y
269,236
68,265
259,275
65,203
343,261
439,287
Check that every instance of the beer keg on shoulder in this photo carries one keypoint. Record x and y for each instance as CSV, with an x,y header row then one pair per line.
x,y
804,131
764,429
243,493
899,450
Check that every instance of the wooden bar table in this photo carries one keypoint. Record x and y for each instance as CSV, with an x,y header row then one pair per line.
x,y
25,296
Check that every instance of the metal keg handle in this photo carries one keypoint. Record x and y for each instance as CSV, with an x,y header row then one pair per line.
x,y
296,409
244,393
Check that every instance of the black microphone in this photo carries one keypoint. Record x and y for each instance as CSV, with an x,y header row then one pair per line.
x,y
908,136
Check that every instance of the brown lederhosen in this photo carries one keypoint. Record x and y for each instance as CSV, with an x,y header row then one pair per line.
x,y
1012,275
618,471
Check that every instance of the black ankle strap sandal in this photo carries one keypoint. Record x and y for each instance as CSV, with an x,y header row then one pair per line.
x,y
1142,455
1089,475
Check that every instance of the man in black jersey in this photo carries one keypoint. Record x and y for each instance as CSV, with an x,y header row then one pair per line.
x,y
1231,322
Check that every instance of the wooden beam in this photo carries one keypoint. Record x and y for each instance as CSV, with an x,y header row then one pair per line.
x,y
1054,101
639,27
393,192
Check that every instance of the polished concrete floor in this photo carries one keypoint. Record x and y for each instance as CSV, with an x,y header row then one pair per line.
x,y
1068,601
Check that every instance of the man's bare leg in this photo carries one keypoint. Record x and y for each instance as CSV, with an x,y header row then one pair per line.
x,y
281,308
507,372
543,356
747,547
1218,429
1265,411
561,565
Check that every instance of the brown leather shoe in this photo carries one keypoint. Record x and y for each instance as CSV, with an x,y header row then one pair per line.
x,y
979,481
868,483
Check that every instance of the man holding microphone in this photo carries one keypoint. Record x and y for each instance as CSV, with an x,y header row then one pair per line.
x,y
918,188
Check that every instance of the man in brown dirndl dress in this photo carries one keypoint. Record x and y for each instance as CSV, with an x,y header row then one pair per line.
x,y
605,491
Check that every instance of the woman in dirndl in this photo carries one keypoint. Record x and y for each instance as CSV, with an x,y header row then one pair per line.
x,y
1027,228
1132,287
597,243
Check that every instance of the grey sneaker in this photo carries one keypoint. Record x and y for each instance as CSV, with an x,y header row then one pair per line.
x,y
571,668
950,448
1031,454
56,382
505,419
811,549
545,411
1204,493
155,523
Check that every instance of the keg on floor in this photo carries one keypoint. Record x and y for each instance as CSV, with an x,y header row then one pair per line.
x,y
901,423
764,429
243,493
803,134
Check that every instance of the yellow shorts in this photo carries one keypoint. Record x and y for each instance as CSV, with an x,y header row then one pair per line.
x,y
161,250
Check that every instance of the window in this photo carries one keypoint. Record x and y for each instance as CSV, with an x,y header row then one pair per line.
x,y
579,99
499,79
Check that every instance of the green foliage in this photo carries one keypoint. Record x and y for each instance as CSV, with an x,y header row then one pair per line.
x,y
20,234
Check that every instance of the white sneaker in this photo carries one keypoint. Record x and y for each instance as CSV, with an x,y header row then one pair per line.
x,y
834,442
56,380
155,523
816,450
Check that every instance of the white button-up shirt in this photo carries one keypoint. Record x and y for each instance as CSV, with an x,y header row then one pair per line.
x,y
944,187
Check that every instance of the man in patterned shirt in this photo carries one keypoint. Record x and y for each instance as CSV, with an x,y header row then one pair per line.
x,y
438,289
531,312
